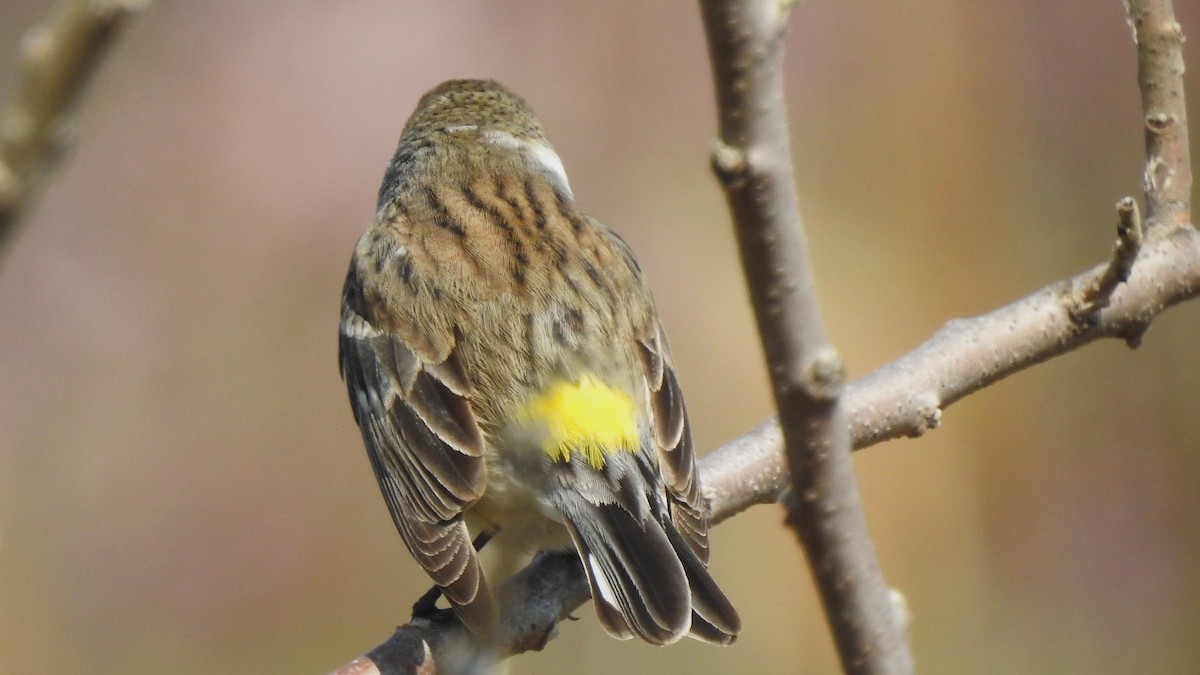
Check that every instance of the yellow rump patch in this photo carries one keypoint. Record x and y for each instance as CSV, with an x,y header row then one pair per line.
x,y
588,416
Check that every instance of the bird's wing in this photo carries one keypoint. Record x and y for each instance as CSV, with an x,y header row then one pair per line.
x,y
672,438
424,442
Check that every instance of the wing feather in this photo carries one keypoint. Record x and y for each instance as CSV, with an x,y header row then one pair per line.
x,y
425,445
672,438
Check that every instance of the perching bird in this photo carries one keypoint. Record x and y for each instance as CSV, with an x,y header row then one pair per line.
x,y
509,374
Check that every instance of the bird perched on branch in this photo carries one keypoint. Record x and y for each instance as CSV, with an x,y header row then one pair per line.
x,y
510,376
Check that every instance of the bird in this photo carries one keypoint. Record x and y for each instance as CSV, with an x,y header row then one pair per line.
x,y
511,377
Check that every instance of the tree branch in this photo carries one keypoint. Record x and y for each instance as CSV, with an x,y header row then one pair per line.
x,y
753,163
902,399
908,396
1168,176
58,59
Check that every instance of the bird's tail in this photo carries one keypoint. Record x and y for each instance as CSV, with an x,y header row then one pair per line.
x,y
645,579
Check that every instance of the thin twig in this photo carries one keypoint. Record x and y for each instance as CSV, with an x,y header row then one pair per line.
x,y
1093,296
1168,176
58,59
753,163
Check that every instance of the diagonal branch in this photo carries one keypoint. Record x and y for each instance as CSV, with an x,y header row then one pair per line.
x,y
908,396
905,398
753,163
58,59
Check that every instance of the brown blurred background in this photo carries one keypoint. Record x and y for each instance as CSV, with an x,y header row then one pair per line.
x,y
182,487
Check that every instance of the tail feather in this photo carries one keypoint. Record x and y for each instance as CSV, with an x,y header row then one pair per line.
x,y
646,580
714,618
637,581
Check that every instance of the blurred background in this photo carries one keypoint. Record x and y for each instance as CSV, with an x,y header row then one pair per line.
x,y
182,487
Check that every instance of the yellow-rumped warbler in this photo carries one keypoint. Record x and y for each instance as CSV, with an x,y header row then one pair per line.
x,y
508,370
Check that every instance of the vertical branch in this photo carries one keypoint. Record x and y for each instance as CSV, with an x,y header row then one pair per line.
x,y
1168,178
753,162
58,59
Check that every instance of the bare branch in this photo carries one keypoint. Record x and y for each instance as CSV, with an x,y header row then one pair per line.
x,y
753,163
58,59
533,602
904,398
908,396
1168,176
